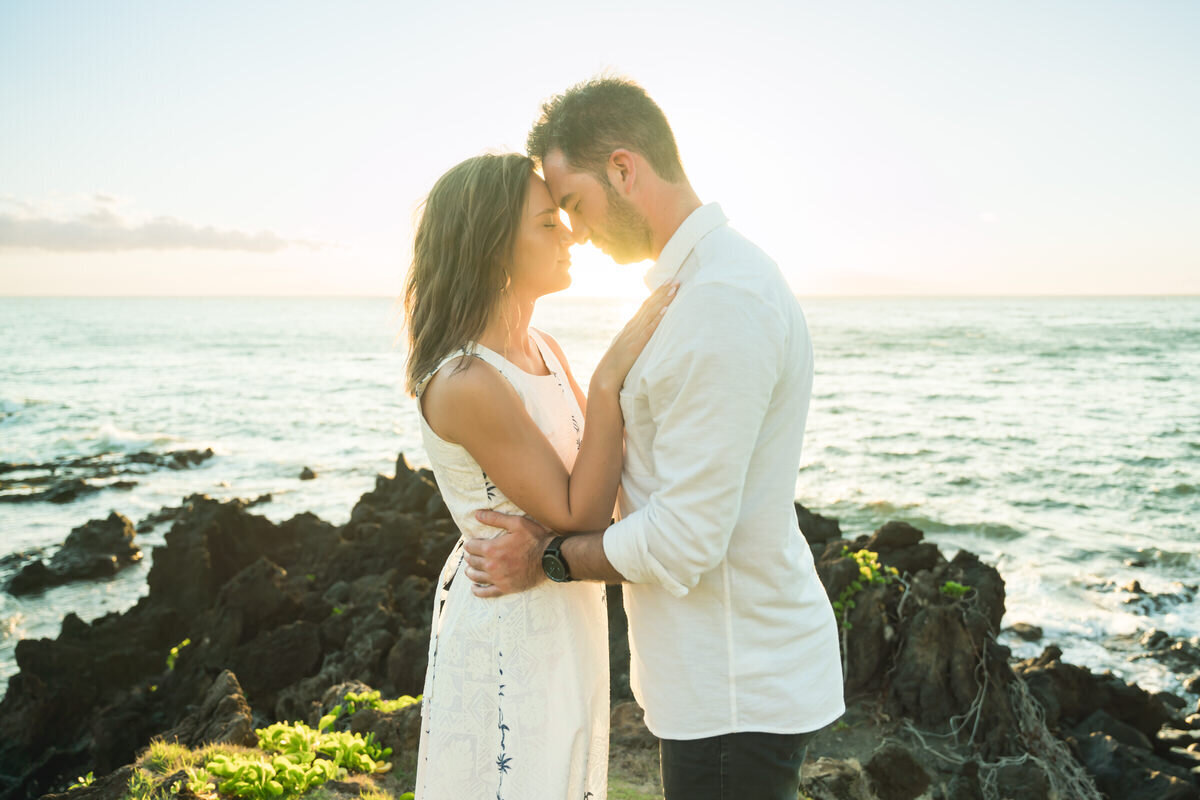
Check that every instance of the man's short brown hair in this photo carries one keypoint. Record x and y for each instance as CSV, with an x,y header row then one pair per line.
x,y
589,121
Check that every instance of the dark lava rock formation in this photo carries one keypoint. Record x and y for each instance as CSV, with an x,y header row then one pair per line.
x,y
96,549
67,479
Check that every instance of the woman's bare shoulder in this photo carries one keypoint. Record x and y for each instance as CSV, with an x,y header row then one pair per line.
x,y
465,392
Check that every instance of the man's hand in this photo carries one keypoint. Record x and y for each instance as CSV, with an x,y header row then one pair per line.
x,y
511,562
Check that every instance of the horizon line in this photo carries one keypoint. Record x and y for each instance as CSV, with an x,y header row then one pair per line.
x,y
822,295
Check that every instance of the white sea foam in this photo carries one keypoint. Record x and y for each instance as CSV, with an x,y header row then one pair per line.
x,y
109,438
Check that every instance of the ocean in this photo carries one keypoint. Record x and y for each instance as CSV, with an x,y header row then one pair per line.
x,y
1058,438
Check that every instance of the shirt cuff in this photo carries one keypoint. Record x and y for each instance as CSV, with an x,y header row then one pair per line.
x,y
626,548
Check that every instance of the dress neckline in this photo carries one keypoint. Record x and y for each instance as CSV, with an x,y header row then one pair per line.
x,y
538,345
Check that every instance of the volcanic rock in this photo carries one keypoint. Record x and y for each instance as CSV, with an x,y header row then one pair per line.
x,y
96,549
832,779
817,529
1133,774
895,774
224,717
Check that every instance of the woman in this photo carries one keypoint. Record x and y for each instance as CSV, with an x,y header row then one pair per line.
x,y
516,693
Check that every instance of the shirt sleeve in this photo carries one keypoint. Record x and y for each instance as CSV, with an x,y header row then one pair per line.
x,y
707,394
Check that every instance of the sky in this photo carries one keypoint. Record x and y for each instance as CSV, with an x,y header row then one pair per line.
x,y
283,148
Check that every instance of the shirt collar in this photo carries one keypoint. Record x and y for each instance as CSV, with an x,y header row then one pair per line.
x,y
701,222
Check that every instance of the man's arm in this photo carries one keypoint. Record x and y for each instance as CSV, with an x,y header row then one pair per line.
x,y
512,562
715,375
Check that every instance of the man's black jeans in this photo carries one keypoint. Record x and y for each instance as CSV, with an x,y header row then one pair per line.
x,y
735,766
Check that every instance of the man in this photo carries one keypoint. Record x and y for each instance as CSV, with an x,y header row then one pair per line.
x,y
734,644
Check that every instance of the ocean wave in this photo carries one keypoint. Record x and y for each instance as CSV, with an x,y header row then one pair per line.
x,y
108,438
884,507
996,531
11,626
1146,461
906,453
1160,557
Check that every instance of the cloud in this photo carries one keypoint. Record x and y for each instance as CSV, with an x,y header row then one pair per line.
x,y
103,230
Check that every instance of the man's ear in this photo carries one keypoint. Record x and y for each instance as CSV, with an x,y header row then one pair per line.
x,y
622,170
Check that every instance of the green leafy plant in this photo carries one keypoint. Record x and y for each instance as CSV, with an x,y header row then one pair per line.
x,y
141,786
295,759
198,781
174,654
164,757
378,794
293,738
955,590
82,781
354,702
352,751
869,571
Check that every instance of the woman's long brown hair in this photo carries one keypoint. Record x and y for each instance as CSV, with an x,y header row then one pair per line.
x,y
461,253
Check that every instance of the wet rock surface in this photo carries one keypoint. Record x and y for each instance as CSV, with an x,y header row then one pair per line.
x,y
96,549
67,479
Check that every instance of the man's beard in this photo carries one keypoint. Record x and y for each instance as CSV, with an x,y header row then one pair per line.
x,y
627,233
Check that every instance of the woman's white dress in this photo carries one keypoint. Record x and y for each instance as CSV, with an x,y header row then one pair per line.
x,y
516,698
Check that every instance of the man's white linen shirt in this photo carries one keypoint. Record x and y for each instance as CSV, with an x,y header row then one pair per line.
x,y
729,626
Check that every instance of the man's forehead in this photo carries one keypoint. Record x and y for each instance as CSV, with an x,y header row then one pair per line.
x,y
561,180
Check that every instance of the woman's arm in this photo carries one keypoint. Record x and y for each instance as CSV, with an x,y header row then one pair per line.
x,y
477,408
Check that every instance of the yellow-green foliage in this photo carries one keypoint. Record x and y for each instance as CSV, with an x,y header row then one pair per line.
x,y
295,758
174,654
869,571
142,786
291,759
358,701
954,589
165,757
257,778
379,794
82,781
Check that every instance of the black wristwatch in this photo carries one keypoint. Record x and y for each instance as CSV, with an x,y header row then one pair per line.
x,y
553,563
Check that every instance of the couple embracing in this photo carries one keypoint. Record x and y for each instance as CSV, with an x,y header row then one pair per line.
x,y
694,422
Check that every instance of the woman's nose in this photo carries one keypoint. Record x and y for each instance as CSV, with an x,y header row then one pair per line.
x,y
578,231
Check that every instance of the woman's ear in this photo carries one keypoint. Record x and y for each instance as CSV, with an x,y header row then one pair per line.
x,y
622,170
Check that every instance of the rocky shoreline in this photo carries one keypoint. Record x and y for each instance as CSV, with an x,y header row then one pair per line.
x,y
67,479
248,622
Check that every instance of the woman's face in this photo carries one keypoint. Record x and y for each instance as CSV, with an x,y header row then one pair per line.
x,y
541,254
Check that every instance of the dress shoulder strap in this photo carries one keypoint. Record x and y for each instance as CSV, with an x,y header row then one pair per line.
x,y
548,355
467,351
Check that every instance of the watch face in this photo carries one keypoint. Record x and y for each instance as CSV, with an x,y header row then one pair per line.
x,y
554,568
